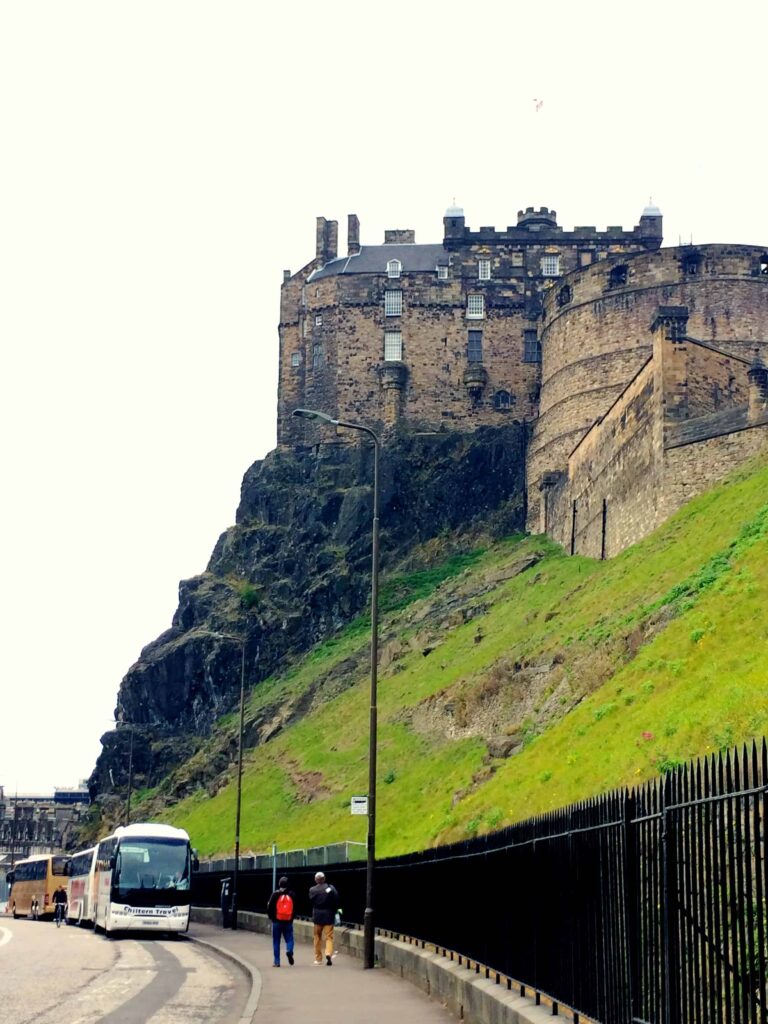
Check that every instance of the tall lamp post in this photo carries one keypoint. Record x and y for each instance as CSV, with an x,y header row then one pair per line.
x,y
241,642
368,926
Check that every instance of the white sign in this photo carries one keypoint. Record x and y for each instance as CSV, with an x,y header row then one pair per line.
x,y
359,805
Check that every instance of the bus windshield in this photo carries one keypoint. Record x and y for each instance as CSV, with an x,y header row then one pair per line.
x,y
151,864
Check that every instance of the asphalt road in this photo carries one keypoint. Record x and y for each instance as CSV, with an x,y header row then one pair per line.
x,y
69,975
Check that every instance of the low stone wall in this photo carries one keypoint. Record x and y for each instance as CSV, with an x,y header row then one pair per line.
x,y
469,990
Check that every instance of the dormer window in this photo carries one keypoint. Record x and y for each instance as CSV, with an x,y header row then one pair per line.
x,y
442,273
484,270
394,268
550,266
618,276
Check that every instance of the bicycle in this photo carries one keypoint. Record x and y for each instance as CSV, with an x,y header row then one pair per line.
x,y
60,914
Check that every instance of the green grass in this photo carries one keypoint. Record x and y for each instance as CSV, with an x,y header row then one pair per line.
x,y
663,652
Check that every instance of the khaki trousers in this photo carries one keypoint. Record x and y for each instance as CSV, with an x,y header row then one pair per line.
x,y
319,931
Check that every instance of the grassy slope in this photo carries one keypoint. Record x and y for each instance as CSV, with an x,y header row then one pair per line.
x,y
698,684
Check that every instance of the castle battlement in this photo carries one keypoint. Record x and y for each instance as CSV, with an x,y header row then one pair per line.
x,y
534,324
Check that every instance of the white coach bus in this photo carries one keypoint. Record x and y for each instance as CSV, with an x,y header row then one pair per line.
x,y
81,887
142,879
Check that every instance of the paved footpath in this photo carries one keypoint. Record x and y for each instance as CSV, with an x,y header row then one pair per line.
x,y
305,994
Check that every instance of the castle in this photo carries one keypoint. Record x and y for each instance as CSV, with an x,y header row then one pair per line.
x,y
637,371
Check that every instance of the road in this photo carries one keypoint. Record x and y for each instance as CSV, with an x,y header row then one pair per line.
x,y
64,975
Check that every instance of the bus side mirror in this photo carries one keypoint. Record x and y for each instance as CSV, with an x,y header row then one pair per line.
x,y
9,878
195,863
112,862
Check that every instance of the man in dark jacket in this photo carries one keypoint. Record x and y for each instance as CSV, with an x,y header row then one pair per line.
x,y
325,903
281,910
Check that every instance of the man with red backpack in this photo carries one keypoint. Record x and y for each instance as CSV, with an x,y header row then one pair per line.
x,y
280,911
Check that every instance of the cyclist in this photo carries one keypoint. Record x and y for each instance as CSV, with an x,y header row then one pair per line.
x,y
60,903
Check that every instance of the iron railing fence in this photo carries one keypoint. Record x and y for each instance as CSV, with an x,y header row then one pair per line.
x,y
641,907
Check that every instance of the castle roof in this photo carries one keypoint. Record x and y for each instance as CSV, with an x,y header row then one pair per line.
x,y
373,259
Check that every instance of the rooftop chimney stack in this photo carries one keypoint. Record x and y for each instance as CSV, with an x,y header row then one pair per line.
x,y
353,235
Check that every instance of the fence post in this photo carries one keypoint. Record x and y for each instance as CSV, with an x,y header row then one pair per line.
x,y
670,897
631,899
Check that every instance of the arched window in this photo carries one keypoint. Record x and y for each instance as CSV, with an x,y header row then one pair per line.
x,y
502,401
394,268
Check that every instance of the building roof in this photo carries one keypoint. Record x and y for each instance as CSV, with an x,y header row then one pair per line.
x,y
373,259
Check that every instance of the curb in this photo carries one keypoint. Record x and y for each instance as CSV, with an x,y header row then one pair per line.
x,y
252,1005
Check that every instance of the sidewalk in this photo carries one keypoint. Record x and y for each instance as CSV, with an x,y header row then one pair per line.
x,y
305,994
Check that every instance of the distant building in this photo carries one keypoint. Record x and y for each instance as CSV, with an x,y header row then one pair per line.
x,y
631,410
32,823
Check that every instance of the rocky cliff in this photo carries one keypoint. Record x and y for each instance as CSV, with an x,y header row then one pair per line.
x,y
294,569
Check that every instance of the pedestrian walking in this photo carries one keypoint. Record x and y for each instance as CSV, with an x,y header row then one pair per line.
x,y
280,911
325,903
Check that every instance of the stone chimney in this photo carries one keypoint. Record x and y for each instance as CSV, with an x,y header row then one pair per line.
x,y
758,388
399,236
353,235
327,239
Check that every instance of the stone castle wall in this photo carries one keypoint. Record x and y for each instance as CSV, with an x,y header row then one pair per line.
x,y
333,323
570,352
594,344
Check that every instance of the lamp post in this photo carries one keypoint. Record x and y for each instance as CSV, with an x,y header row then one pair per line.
x,y
241,641
368,925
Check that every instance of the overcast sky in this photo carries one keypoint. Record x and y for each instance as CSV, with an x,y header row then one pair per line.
x,y
162,163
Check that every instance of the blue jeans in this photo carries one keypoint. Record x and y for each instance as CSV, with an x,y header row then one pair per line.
x,y
279,928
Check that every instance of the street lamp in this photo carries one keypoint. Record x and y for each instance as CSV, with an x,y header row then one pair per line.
x,y
368,929
241,641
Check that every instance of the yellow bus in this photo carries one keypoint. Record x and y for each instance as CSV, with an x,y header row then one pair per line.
x,y
33,882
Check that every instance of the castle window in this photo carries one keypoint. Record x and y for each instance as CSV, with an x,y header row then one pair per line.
x,y
475,307
502,401
531,347
319,320
618,276
692,264
442,273
295,358
550,266
393,303
764,265
518,259
484,270
393,346
394,268
565,295
474,346
317,356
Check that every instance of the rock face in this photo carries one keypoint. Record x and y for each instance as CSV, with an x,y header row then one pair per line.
x,y
295,569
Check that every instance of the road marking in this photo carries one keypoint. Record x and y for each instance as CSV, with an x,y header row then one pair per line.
x,y
5,935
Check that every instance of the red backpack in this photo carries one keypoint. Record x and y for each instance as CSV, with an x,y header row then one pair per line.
x,y
284,909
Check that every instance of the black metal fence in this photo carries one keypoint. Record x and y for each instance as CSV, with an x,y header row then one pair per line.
x,y
642,907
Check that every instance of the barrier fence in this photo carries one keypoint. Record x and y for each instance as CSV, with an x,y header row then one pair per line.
x,y
641,907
